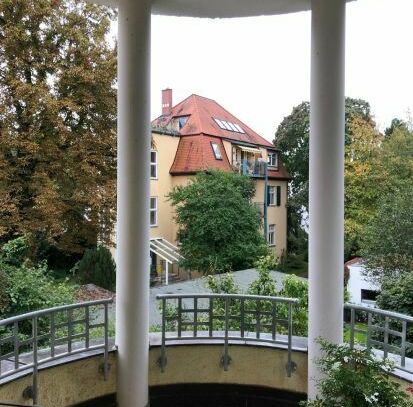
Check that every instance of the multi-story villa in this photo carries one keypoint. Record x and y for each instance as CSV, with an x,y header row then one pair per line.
x,y
199,134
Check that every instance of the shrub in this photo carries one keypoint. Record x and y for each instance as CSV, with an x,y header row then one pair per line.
x,y
97,267
4,297
354,378
32,288
294,287
397,294
15,251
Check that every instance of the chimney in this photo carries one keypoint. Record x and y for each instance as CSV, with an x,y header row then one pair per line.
x,y
166,102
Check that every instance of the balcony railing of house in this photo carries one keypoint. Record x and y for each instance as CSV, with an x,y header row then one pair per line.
x,y
31,340
227,318
388,334
253,168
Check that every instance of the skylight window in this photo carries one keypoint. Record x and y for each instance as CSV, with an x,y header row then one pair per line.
x,y
232,125
220,124
239,128
225,125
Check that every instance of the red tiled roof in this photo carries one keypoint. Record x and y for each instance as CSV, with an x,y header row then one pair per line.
x,y
281,173
195,153
201,112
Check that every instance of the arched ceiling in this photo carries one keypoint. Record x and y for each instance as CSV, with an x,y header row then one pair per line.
x,y
221,8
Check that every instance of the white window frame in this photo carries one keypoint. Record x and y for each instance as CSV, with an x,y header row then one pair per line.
x,y
272,157
272,195
216,150
271,235
153,210
154,164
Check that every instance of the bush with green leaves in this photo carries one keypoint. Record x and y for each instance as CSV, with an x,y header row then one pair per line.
x,y
387,244
32,288
355,378
292,287
219,227
15,251
98,267
397,294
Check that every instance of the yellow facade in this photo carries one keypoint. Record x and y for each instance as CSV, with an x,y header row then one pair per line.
x,y
166,145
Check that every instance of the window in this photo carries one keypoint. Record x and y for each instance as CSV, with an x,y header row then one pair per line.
x,y
216,150
154,164
270,195
239,128
369,295
182,121
226,125
154,211
272,159
274,195
271,235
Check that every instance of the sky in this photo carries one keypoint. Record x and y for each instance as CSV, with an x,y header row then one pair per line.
x,y
259,68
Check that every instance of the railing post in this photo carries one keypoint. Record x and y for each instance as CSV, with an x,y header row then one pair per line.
x,y
369,326
195,317
179,317
35,360
257,320
226,357
106,350
211,317
352,325
386,337
162,360
290,338
274,320
242,324
403,345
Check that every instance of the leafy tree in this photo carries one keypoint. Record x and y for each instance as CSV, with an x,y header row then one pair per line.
x,y
219,228
387,244
97,267
292,138
397,294
57,122
395,124
362,175
355,378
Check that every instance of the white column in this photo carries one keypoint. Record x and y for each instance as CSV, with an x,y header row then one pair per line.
x,y
132,287
166,272
326,205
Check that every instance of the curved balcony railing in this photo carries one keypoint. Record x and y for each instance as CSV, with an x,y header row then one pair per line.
x,y
227,318
388,334
30,340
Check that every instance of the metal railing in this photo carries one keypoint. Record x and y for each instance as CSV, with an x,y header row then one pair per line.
x,y
388,334
227,318
253,168
30,340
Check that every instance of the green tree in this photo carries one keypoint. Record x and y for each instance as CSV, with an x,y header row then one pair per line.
x,y
219,227
396,294
98,267
57,123
292,138
362,175
387,243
